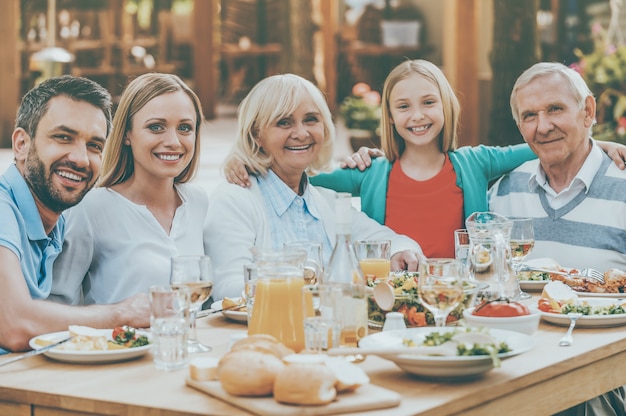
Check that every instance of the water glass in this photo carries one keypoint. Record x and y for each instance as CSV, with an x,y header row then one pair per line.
x,y
461,247
374,258
169,325
321,330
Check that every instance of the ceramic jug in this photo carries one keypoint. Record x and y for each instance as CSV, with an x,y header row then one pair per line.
x,y
489,256
278,307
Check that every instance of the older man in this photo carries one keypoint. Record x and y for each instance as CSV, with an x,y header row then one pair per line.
x,y
60,131
574,193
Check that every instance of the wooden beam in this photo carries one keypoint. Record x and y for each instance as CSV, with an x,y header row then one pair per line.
x,y
205,51
461,63
10,75
330,29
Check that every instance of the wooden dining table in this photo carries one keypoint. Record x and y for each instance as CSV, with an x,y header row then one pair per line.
x,y
544,380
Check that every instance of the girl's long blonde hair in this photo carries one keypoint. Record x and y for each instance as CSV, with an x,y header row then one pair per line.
x,y
392,143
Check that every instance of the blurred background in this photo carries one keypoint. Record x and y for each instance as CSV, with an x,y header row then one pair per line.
x,y
222,48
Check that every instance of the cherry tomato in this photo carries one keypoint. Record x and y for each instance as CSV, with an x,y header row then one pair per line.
x,y
501,309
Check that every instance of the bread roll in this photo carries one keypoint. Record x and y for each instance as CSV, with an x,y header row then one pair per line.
x,y
349,376
203,368
263,343
248,372
305,384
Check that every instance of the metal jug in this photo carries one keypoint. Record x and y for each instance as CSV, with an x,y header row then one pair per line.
x,y
489,256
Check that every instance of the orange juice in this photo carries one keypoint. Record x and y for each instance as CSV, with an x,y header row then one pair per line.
x,y
379,268
278,310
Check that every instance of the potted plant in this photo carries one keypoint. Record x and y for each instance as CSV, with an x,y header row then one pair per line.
x,y
361,114
603,69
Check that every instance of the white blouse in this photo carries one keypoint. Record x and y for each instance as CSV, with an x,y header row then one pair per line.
x,y
114,248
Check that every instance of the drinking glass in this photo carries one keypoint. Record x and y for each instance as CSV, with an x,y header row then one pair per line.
x,y
374,258
522,243
169,324
440,287
461,247
194,272
313,265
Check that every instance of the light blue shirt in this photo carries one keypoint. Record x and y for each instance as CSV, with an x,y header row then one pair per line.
x,y
22,232
292,217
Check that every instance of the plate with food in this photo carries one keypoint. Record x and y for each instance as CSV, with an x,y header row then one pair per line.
x,y
448,352
232,308
95,346
406,301
558,299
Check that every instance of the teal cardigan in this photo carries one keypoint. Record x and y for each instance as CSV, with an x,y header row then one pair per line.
x,y
475,167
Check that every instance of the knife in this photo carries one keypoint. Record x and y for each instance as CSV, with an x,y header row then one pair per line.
x,y
34,352
208,312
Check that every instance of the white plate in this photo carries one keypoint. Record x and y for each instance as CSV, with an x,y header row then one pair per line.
x,y
588,321
89,357
238,316
444,367
601,295
532,284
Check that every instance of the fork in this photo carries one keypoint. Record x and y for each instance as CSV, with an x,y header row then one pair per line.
x,y
587,273
567,339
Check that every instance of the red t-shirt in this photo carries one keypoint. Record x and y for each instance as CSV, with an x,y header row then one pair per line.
x,y
427,211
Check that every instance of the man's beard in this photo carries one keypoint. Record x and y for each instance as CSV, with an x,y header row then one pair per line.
x,y
41,184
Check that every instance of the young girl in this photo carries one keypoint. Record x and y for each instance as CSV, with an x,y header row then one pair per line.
x,y
426,187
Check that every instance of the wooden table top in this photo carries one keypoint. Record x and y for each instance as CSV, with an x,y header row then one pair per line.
x,y
546,379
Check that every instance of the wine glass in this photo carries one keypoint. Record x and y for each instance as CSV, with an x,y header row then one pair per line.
x,y
522,243
440,287
194,272
313,265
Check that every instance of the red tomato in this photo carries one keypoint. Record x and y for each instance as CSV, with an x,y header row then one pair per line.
x,y
544,305
118,331
501,309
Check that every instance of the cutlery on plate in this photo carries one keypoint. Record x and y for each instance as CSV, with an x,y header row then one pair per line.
x,y
208,312
567,339
588,273
34,352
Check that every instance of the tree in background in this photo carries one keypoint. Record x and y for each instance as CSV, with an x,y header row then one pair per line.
x,y
515,48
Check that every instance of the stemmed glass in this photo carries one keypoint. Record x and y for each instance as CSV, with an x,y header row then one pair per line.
x,y
196,273
440,287
314,263
522,243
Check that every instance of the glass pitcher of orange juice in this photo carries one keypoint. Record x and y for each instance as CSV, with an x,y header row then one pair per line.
x,y
278,307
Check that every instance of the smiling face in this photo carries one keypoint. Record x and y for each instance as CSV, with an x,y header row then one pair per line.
x,y
417,111
163,136
293,142
62,162
552,122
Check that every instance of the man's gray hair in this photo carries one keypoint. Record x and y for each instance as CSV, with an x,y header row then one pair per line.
x,y
572,79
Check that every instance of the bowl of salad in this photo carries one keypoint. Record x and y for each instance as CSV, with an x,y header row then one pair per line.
x,y
407,302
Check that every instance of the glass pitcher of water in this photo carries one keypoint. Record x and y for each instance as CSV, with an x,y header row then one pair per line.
x,y
278,307
489,256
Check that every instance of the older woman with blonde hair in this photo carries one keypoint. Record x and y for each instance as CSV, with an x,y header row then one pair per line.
x,y
121,236
285,132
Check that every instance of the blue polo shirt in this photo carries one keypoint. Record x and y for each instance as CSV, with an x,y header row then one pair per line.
x,y
22,232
